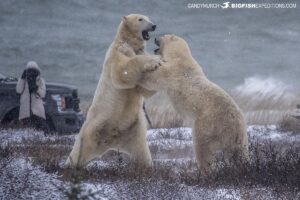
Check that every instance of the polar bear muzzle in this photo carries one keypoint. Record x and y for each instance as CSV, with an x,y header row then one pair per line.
x,y
150,28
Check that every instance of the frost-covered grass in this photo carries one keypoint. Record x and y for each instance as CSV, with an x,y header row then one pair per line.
x,y
31,165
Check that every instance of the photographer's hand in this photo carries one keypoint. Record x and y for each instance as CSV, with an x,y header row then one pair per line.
x,y
23,75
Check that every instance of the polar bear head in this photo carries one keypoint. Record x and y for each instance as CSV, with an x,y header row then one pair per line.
x,y
172,47
138,25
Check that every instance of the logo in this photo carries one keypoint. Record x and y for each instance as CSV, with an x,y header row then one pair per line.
x,y
225,5
249,5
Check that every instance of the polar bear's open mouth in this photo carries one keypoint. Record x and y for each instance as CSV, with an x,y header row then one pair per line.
x,y
156,51
145,35
150,28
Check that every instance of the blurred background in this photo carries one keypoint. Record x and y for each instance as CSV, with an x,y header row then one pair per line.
x,y
254,54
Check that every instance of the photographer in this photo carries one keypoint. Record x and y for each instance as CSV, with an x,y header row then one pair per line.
x,y
32,90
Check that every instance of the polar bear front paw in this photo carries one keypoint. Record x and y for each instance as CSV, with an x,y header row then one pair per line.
x,y
152,65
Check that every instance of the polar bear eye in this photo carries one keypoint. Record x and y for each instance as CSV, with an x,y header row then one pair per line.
x,y
140,19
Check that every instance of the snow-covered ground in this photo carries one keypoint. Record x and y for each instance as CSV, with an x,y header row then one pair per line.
x,y
20,179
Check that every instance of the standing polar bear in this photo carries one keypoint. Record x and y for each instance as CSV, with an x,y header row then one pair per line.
x,y
116,119
218,124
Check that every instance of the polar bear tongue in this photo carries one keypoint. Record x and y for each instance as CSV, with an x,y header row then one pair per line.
x,y
145,35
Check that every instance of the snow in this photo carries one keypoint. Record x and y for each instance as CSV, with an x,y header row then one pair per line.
x,y
18,135
261,132
166,139
272,133
173,133
228,194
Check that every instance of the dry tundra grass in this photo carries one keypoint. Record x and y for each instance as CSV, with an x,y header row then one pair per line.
x,y
271,164
290,123
274,166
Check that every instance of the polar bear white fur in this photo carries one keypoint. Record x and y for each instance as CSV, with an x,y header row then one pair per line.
x,y
218,124
116,119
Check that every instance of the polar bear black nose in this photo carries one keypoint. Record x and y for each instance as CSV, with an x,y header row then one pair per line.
x,y
153,27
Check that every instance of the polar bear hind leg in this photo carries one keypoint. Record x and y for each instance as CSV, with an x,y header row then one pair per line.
x,y
206,145
211,141
136,145
86,147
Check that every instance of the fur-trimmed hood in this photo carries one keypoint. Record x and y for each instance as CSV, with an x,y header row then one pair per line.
x,y
32,65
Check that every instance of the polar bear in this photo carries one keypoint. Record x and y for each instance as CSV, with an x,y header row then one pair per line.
x,y
218,124
115,119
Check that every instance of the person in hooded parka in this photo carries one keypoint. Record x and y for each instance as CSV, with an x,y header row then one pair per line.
x,y
32,89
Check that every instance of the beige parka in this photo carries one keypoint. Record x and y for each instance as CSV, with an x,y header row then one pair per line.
x,y
37,103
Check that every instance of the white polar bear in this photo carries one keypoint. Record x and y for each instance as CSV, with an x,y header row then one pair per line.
x,y
116,119
218,124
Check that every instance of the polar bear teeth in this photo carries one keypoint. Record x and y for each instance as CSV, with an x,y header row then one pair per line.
x,y
145,35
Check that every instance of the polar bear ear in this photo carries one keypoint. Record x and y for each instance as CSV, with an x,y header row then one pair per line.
x,y
124,18
173,37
